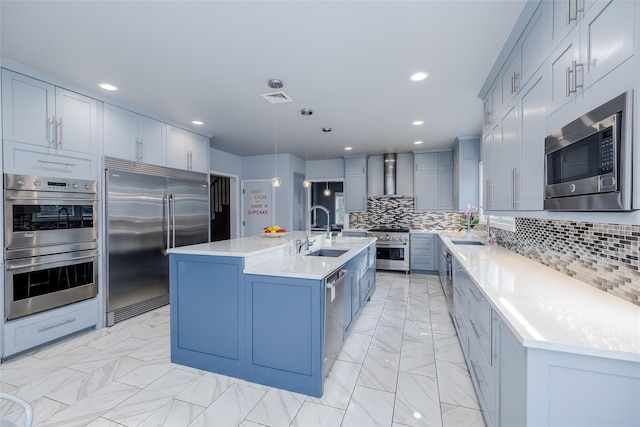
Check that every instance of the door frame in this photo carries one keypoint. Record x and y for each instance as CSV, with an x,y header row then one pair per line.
x,y
234,206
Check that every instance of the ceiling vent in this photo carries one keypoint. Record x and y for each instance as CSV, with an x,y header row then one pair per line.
x,y
276,97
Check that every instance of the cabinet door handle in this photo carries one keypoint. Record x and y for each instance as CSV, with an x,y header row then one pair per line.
x,y
52,131
568,11
568,79
64,322
56,163
60,132
574,66
475,329
513,188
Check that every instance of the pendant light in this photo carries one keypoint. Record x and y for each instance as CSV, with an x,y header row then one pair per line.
x,y
327,191
306,183
276,181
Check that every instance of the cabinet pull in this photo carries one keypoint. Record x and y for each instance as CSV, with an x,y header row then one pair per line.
x,y
568,80
513,188
475,373
572,78
514,84
64,322
573,17
60,133
475,330
52,131
56,163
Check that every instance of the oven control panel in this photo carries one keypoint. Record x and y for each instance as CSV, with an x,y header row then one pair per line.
x,y
39,183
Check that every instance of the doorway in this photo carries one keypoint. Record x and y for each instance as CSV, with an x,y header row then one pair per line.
x,y
220,206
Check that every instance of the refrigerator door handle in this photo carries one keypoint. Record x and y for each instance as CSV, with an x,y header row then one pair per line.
x,y
173,219
168,216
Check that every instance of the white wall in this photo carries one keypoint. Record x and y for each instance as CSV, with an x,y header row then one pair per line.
x,y
326,169
220,161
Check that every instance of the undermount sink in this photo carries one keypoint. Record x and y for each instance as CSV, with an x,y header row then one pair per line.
x,y
467,242
334,253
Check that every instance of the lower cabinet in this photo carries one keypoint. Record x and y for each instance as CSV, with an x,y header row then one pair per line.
x,y
197,303
526,386
423,252
284,333
29,332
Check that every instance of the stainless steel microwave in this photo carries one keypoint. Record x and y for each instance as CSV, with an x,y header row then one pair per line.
x,y
588,162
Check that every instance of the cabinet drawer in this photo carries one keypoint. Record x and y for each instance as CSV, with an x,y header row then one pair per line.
x,y
29,332
480,322
484,381
34,160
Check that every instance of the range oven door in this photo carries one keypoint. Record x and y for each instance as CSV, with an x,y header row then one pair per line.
x,y
392,256
41,283
39,218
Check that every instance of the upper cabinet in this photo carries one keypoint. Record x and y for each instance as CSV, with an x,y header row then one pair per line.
x,y
563,58
37,113
600,39
433,181
130,136
466,164
355,184
186,150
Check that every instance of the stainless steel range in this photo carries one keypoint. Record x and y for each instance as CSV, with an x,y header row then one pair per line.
x,y
392,248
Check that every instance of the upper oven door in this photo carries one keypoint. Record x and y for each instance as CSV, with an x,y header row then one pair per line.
x,y
43,218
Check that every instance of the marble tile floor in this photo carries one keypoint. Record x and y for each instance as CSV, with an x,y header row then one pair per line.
x,y
400,366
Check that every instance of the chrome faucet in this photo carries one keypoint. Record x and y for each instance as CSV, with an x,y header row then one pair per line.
x,y
322,208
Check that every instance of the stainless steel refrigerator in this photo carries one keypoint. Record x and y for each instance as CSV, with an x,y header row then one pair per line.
x,y
148,210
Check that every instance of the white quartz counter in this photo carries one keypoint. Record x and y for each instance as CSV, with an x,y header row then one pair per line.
x,y
278,257
548,310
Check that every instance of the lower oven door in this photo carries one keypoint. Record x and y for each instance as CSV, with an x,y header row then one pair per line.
x,y
392,256
40,283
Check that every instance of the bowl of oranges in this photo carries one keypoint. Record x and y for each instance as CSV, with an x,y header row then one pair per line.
x,y
275,231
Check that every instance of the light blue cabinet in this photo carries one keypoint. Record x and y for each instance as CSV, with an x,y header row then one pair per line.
x,y
205,293
423,252
355,184
466,164
284,333
433,181
528,386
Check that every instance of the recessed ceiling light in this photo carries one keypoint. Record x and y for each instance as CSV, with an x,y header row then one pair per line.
x,y
418,123
108,86
417,142
348,148
197,122
419,76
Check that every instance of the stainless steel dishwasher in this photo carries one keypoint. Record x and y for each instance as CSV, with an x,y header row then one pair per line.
x,y
333,317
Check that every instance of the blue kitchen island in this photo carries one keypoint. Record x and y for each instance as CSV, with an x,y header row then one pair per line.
x,y
254,308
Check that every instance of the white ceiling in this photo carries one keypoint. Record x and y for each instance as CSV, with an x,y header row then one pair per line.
x,y
210,60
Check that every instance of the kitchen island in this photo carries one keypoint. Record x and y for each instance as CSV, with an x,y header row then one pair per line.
x,y
253,308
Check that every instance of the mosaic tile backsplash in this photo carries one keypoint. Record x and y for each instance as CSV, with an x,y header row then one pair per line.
x,y
601,255
605,256
399,212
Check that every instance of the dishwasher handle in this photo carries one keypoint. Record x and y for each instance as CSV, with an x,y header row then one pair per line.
x,y
335,279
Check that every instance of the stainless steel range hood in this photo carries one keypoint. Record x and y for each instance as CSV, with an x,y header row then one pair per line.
x,y
390,175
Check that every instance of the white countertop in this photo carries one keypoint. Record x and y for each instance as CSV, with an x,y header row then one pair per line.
x,y
271,256
548,310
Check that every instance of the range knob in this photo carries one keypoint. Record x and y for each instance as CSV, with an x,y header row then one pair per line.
x,y
37,182
75,185
20,182
87,187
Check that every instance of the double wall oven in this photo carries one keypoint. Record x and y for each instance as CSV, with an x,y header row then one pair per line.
x,y
51,250
392,248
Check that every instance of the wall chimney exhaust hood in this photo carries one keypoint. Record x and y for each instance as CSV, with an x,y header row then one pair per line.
x,y
389,168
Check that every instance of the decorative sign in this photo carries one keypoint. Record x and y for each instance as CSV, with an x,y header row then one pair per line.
x,y
260,202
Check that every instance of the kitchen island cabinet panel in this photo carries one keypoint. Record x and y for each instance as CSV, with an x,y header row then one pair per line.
x,y
284,332
209,294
